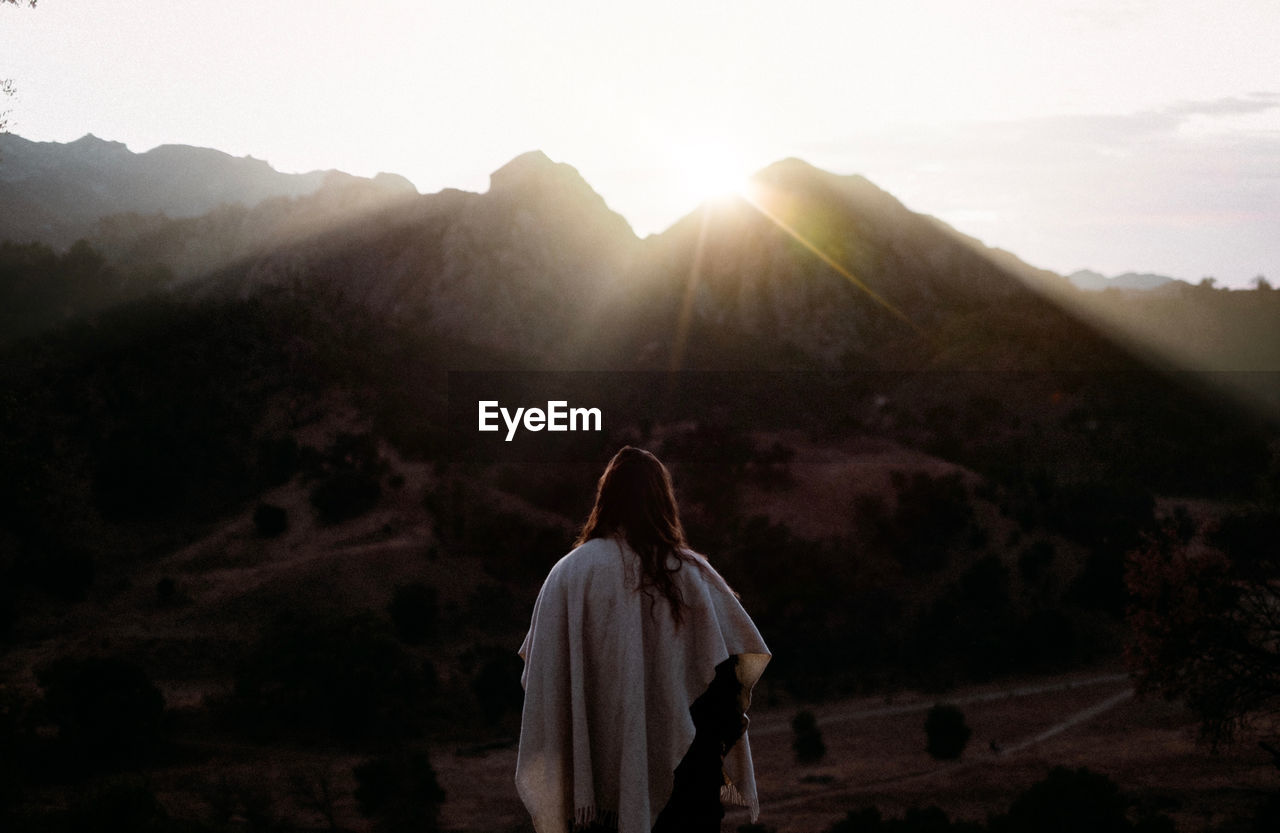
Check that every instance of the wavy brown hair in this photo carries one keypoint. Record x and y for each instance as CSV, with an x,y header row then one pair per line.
x,y
635,501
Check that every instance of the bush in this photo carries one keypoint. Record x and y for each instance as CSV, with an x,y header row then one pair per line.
x,y
497,688
916,820
106,708
279,458
8,613
946,732
806,740
933,518
400,792
345,495
1267,817
126,804
166,591
1070,800
64,571
414,611
270,520
329,677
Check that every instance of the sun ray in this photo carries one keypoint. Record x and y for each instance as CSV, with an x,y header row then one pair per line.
x,y
751,195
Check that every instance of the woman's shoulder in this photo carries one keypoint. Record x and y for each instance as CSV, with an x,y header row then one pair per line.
x,y
588,557
704,571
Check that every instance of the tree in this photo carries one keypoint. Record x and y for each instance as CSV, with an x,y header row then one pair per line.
x,y
946,732
318,676
1205,620
806,739
1070,800
414,611
106,708
7,89
270,520
400,792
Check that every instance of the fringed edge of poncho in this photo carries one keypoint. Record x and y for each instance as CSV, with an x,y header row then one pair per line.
x,y
584,817
730,794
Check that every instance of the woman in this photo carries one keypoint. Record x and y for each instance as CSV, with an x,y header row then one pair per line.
x,y
639,664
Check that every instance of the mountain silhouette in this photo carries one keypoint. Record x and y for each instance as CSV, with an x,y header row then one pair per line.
x,y
1095,281
808,269
834,270
55,193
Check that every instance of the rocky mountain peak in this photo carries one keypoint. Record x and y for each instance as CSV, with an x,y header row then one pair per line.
x,y
535,171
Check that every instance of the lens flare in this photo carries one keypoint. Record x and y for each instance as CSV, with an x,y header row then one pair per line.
x,y
710,170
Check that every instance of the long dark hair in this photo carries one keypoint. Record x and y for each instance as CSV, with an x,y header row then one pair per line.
x,y
635,500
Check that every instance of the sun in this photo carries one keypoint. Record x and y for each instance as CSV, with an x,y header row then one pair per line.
x,y
710,171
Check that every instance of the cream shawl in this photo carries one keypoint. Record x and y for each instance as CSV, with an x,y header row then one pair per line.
x,y
608,681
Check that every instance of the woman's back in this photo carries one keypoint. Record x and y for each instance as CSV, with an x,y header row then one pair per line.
x,y
610,676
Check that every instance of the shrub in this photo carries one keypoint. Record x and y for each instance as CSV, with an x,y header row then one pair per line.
x,y
494,608
946,732
279,458
399,792
116,805
106,708
497,688
414,611
345,495
806,740
166,591
328,677
915,820
270,520
1267,817
1070,800
64,571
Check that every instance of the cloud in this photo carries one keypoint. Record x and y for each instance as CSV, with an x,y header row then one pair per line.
x,y
1230,106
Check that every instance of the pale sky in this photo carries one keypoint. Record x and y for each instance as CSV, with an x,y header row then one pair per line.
x,y
1117,135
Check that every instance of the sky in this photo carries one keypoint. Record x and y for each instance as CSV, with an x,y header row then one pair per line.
x,y
1114,135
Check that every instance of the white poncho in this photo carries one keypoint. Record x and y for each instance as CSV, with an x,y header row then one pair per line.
x,y
609,679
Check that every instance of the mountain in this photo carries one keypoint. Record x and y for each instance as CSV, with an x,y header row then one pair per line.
x,y
818,271
831,271
813,271
1096,282
55,193
522,268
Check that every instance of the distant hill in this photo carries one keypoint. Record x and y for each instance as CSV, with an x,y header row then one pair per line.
x,y
55,193
1096,282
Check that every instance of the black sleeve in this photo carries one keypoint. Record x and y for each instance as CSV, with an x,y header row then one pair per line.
x,y
718,721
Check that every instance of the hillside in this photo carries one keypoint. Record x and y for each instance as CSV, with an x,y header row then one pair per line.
x,y
242,464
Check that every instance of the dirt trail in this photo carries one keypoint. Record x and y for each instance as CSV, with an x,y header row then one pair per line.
x,y
776,724
842,714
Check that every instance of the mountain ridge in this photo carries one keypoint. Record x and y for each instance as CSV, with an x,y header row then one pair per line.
x,y
1092,281
55,193
815,270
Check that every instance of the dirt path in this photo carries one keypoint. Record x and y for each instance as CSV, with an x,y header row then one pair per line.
x,y
985,757
841,713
